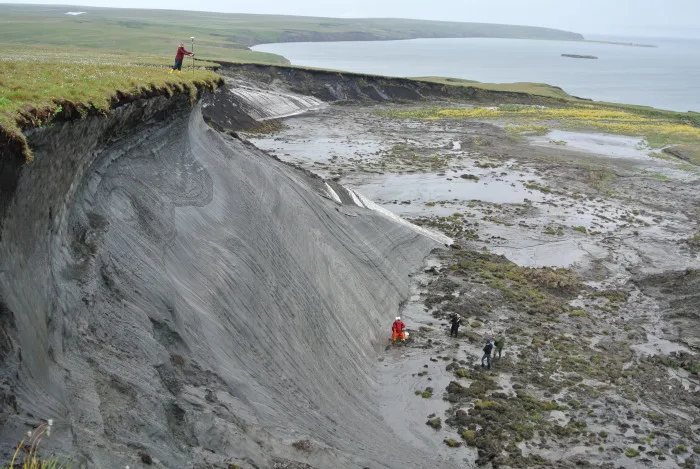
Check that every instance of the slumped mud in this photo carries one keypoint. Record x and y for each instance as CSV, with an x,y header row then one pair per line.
x,y
594,296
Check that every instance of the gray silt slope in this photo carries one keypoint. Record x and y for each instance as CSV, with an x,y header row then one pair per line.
x,y
180,292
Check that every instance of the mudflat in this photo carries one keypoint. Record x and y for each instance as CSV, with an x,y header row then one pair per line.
x,y
579,248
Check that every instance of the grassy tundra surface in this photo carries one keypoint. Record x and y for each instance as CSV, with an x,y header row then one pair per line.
x,y
537,89
222,36
37,85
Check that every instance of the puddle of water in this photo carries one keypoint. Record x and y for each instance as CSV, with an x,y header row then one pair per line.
x,y
591,214
320,150
308,139
658,346
420,188
613,146
550,254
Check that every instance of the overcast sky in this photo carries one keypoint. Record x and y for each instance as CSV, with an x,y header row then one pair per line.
x,y
624,17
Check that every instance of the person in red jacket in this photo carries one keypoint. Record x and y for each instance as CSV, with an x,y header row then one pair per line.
x,y
397,328
181,53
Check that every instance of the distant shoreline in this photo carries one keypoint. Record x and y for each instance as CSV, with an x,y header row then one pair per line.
x,y
616,43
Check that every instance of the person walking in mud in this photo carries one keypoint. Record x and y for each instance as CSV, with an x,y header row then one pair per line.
x,y
487,353
179,57
456,322
397,330
499,343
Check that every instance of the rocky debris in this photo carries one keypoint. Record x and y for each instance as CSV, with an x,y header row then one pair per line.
x,y
287,464
302,445
145,458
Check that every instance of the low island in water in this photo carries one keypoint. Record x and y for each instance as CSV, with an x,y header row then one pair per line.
x,y
575,56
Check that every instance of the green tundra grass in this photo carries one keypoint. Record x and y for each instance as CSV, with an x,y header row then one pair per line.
x,y
222,36
36,82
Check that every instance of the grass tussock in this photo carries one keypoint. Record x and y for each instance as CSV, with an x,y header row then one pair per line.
x,y
35,91
578,313
527,129
694,241
536,290
51,463
26,455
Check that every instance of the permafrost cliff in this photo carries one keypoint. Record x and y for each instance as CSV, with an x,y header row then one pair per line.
x,y
172,290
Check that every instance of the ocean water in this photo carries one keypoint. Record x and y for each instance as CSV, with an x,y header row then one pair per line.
x,y
666,77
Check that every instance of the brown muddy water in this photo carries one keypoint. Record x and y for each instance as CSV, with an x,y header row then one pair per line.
x,y
598,295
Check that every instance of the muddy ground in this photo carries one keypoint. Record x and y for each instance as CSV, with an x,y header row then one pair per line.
x,y
580,250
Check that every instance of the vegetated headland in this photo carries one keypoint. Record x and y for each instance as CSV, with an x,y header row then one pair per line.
x,y
618,43
223,36
172,294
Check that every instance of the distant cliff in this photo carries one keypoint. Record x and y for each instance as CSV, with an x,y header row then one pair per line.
x,y
394,29
346,87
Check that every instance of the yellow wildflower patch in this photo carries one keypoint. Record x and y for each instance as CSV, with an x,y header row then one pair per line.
x,y
660,128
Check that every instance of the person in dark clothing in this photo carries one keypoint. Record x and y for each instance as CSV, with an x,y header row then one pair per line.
x,y
179,56
456,322
487,353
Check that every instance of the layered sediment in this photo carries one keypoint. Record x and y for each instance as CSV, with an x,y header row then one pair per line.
x,y
171,290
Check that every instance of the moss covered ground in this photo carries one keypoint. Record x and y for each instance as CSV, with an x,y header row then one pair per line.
x,y
562,392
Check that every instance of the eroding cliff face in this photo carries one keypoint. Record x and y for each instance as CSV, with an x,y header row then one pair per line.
x,y
172,290
344,87
244,105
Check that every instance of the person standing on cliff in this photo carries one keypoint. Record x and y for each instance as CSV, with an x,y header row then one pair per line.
x,y
179,57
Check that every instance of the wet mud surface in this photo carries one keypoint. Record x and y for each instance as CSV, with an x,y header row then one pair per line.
x,y
580,250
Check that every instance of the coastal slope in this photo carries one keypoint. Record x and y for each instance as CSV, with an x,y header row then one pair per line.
x,y
171,291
